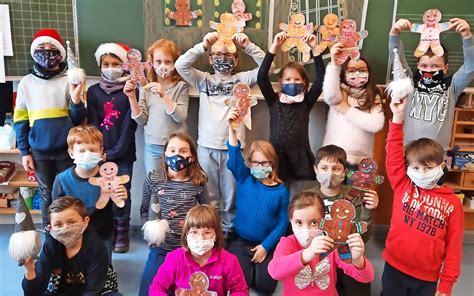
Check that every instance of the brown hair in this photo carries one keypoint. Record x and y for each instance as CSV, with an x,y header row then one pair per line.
x,y
331,153
304,200
430,54
67,202
266,148
84,134
203,216
195,171
424,151
373,95
168,47
298,67
108,54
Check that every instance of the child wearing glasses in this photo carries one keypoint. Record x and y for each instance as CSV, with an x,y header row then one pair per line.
x,y
261,216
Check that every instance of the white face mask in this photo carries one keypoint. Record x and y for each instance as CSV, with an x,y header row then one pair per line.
x,y
329,180
426,180
87,160
112,74
305,235
200,246
164,70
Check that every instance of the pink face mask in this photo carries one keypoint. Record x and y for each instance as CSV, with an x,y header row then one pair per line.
x,y
357,79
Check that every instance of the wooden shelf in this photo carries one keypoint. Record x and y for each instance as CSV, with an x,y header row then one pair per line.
x,y
464,136
457,187
468,210
464,109
9,151
20,179
463,148
9,211
465,122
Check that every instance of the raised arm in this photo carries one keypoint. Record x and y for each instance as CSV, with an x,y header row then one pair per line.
x,y
395,42
315,91
331,86
465,73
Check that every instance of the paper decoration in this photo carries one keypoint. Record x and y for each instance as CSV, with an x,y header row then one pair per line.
x,y
6,44
401,85
183,14
109,182
136,67
243,102
199,283
296,29
430,30
226,30
250,19
340,226
75,74
238,10
363,178
329,31
320,277
349,37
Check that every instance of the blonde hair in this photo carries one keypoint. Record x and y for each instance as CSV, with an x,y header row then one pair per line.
x,y
168,47
203,216
266,148
84,134
424,151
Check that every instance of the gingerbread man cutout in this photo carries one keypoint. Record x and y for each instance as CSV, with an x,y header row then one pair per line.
x,y
340,226
183,15
136,67
238,9
296,30
242,101
430,30
199,283
226,30
109,182
363,178
349,37
329,31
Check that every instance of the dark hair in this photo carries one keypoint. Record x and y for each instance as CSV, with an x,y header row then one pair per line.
x,y
331,153
66,202
203,216
424,151
298,67
430,54
108,54
304,200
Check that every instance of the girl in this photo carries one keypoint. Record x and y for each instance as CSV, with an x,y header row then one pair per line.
x,y
355,108
109,110
73,260
163,102
296,257
261,209
168,194
201,265
289,113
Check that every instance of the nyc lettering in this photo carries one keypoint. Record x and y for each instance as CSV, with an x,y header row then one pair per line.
x,y
425,106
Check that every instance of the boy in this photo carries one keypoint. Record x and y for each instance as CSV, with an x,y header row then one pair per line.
x,y
214,90
47,107
330,169
85,148
431,107
424,242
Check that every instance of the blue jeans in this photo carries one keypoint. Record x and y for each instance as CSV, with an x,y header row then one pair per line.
x,y
152,155
123,214
156,257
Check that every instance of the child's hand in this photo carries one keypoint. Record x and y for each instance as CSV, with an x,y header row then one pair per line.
x,y
209,39
461,26
121,192
129,89
398,110
233,114
312,42
30,268
75,90
320,244
335,50
400,25
371,199
357,247
155,88
241,39
278,40
28,163
260,254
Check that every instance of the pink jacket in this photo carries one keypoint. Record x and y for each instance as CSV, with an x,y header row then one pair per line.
x,y
222,270
286,264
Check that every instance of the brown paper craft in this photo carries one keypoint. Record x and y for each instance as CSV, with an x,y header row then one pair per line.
x,y
136,67
108,183
199,283
183,15
430,30
242,101
349,37
363,179
329,31
238,10
226,30
296,30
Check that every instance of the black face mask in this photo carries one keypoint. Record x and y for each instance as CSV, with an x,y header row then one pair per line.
x,y
47,58
429,79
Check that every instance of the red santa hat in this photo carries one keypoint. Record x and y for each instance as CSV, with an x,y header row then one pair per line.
x,y
48,36
118,49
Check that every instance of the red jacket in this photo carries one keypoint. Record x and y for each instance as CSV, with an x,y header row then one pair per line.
x,y
427,225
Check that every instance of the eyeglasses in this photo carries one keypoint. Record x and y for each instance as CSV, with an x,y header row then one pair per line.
x,y
352,70
206,234
255,163
220,55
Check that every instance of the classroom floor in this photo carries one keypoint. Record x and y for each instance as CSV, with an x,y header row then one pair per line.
x,y
129,265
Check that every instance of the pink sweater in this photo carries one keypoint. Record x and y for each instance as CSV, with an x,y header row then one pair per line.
x,y
286,264
222,269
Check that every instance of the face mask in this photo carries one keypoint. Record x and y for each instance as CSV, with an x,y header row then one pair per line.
x,y
112,74
200,246
261,172
87,160
292,89
427,180
429,78
223,65
47,58
329,180
163,70
305,235
357,79
69,235
177,162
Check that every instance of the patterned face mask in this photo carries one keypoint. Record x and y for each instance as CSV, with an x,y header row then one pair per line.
x,y
69,235
47,58
177,162
357,79
163,70
223,65
261,172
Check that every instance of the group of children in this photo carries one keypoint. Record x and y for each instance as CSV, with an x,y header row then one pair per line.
x,y
216,221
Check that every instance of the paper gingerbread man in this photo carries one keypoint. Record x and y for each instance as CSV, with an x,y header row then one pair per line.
x,y
238,9
136,67
340,226
296,30
329,31
363,178
199,283
109,182
349,37
242,101
226,30
430,30
183,15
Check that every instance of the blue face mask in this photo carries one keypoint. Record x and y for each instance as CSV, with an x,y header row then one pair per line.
x,y
87,160
177,162
292,89
261,172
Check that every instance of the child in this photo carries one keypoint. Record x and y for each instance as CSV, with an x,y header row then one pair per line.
x,y
169,193
47,107
109,110
296,257
430,111
355,107
73,260
424,242
214,90
289,112
261,209
203,258
85,148
163,103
